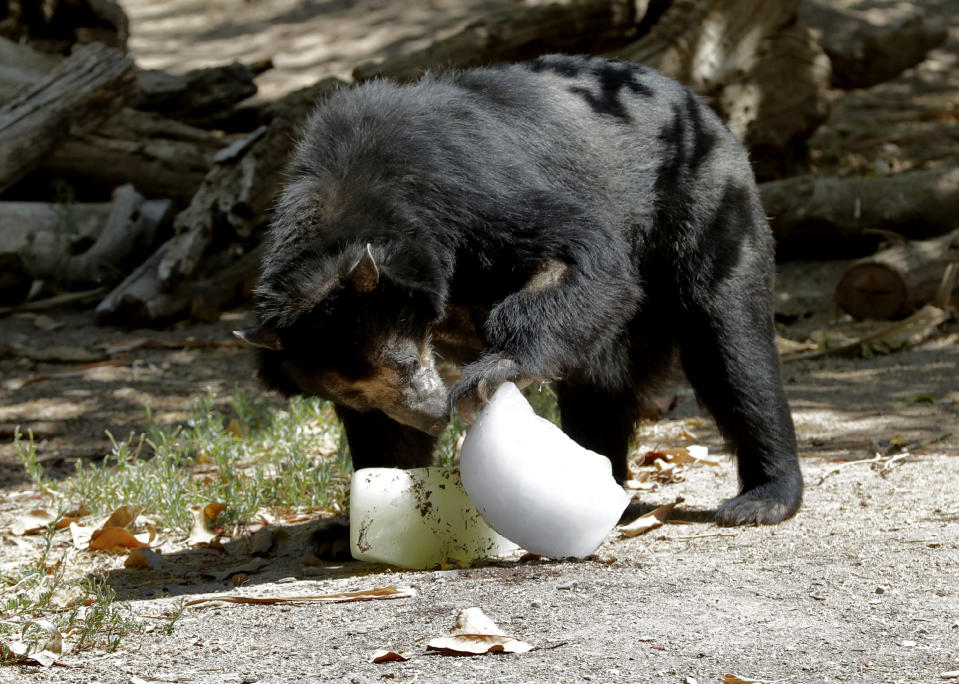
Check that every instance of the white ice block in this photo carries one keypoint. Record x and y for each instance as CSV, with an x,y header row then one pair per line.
x,y
536,486
417,518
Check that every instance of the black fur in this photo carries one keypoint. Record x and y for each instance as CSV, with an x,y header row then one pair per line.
x,y
467,185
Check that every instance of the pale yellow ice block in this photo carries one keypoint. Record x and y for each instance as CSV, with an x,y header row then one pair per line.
x,y
418,518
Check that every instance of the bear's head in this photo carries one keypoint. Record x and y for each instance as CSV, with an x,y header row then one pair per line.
x,y
352,329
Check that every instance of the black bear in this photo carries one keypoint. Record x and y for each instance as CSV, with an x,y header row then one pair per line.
x,y
573,220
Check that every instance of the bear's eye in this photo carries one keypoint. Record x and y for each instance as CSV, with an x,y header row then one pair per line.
x,y
405,365
409,365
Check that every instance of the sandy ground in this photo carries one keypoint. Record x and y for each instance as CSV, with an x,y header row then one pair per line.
x,y
862,586
306,39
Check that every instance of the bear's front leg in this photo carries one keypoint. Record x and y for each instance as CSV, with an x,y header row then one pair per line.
x,y
378,441
556,324
479,380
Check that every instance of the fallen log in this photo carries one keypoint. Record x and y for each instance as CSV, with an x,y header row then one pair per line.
x,y
159,156
42,236
128,235
888,130
80,92
80,243
864,53
21,66
846,217
200,97
897,280
143,301
519,33
232,203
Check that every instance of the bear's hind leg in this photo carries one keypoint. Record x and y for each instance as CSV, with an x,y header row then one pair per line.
x,y
599,420
730,357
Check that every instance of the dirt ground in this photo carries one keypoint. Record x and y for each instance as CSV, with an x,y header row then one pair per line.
x,y
861,586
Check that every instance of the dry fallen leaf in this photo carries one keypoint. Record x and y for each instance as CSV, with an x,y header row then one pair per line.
x,y
110,537
649,521
474,633
640,485
81,535
680,455
123,516
50,649
382,655
142,557
787,346
34,522
80,511
392,592
212,511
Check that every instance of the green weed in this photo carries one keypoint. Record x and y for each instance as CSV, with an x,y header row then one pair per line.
x,y
248,456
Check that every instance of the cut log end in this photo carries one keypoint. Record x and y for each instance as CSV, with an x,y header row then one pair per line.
x,y
871,290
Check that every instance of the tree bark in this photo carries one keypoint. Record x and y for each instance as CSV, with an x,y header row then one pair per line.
x,y
843,217
79,93
43,235
21,66
897,280
232,202
160,156
864,53
200,97
128,235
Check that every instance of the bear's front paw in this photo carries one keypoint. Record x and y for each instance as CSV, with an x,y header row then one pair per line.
x,y
478,382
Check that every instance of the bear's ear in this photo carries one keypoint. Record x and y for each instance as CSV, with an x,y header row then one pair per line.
x,y
365,275
260,337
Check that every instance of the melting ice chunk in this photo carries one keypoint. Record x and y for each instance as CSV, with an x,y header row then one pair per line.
x,y
417,518
536,486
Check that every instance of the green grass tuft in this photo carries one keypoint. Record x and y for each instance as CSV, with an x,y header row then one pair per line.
x,y
249,457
